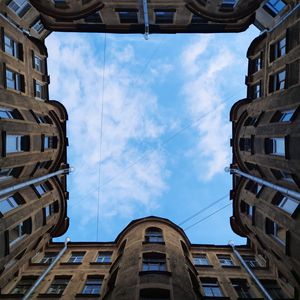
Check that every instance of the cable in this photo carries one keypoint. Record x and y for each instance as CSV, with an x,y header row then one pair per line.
x,y
101,131
216,211
203,209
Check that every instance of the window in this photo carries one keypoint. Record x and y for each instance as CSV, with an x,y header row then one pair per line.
x,y
37,63
93,18
154,235
14,80
278,49
256,90
38,26
42,188
154,294
251,261
228,3
287,204
283,116
49,210
9,203
92,285
275,6
38,89
12,47
225,260
23,285
128,15
18,232
20,7
49,142
273,289
275,146
256,64
276,231
200,260
164,16
154,262
7,113
249,210
76,257
246,144
17,143
242,288
9,173
253,187
104,257
211,287
251,121
48,258
277,81
58,285
282,175
198,20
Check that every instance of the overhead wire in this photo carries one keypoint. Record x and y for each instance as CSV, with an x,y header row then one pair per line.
x,y
101,135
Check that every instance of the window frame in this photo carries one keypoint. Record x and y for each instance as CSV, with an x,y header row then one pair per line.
x,y
22,9
104,257
91,281
154,262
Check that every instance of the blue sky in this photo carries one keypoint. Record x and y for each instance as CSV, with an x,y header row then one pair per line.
x,y
165,128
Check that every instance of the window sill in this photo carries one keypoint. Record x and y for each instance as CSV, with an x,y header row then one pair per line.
x,y
204,266
87,295
70,263
155,272
39,264
100,263
231,267
147,243
49,296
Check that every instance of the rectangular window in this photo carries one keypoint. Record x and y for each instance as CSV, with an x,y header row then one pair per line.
x,y
49,142
92,285
104,257
49,211
58,285
38,26
38,89
251,261
7,113
283,116
278,49
276,231
8,203
14,80
164,16
256,64
154,262
128,16
273,289
12,47
200,260
256,90
275,6
42,188
277,81
18,232
23,285
48,258
225,260
275,146
37,63
211,287
228,3
287,204
253,187
242,288
17,143
76,257
246,144
249,210
20,7
282,175
93,18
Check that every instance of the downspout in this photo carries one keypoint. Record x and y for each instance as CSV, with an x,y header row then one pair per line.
x,y
146,19
22,185
249,271
283,190
41,278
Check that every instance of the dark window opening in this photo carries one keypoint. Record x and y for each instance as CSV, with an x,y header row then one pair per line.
x,y
128,15
164,16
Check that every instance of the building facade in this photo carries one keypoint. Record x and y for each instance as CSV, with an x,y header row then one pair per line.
x,y
266,144
33,144
151,258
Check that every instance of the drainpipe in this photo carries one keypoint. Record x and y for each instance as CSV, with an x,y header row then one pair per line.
x,y
41,278
273,186
22,185
146,19
249,271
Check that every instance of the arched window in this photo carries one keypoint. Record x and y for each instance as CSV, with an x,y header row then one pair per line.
x,y
184,248
154,235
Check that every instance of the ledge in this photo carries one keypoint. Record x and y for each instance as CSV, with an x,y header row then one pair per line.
x,y
11,296
87,295
151,243
231,267
100,263
204,266
155,272
70,263
49,296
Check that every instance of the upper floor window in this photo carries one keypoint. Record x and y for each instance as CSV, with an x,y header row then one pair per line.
x,y
9,173
277,81
273,289
48,258
58,285
283,116
12,47
164,16
14,80
256,64
154,235
275,146
249,210
39,89
256,90
282,175
225,260
200,260
93,18
37,63
154,294
228,3
9,203
76,257
251,261
104,257
128,15
287,204
251,121
43,188
253,187
275,6
278,49
242,288
17,143
38,26
246,144
154,262
20,7
92,285
18,232
49,142
211,287
7,113
49,210
276,231
24,284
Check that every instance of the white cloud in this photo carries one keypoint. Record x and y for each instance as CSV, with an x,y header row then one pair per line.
x,y
130,118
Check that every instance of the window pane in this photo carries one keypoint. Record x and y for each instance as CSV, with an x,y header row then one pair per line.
x,y
8,204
